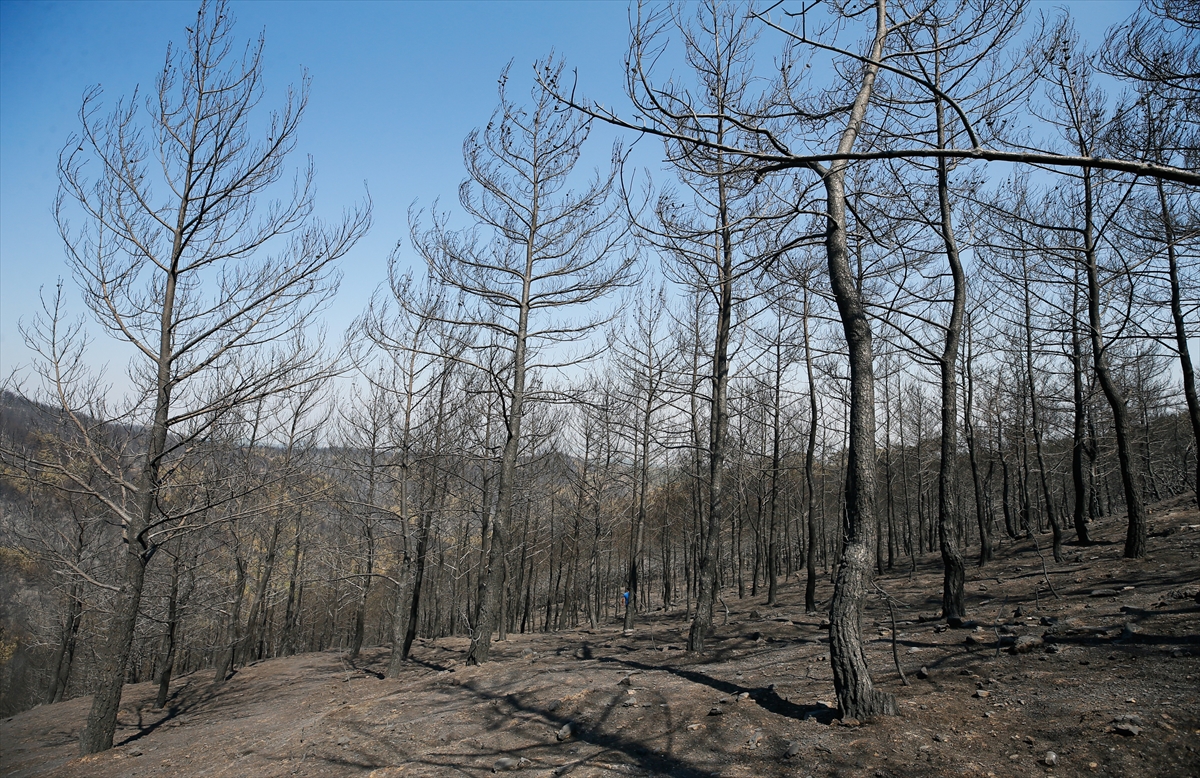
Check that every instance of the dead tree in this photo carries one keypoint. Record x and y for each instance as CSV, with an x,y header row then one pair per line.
x,y
716,232
201,285
1155,52
643,361
1081,116
536,251
953,51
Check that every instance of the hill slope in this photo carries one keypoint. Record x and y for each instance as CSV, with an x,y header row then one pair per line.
x,y
1111,690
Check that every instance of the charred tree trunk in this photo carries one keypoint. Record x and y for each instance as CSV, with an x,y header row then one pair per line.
x,y
773,495
291,617
857,696
1135,537
1079,433
1181,339
168,640
253,634
64,656
718,413
985,539
233,623
360,610
810,585
1051,515
954,603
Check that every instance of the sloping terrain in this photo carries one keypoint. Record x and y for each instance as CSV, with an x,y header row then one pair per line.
x,y
1108,681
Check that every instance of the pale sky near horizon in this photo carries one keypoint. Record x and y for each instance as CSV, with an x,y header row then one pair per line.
x,y
396,87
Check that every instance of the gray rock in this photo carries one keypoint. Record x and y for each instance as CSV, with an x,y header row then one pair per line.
x,y
1127,729
1103,593
564,733
508,763
923,673
1050,759
716,710
1026,643
793,748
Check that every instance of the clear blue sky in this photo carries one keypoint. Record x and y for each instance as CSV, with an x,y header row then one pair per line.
x,y
396,87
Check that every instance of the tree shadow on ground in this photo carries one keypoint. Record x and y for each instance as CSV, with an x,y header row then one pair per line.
x,y
183,699
643,756
765,696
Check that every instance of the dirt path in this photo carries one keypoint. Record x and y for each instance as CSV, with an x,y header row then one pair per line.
x,y
1110,684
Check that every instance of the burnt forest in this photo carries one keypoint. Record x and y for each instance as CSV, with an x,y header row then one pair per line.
x,y
854,434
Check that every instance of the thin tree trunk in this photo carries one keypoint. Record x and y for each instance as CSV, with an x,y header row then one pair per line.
x,y
810,585
776,462
168,641
1079,433
64,656
360,610
639,518
291,615
1055,527
493,578
985,540
954,603
1135,537
260,595
1181,339
718,421
233,623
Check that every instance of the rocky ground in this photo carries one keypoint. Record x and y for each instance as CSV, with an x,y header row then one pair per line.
x,y
1103,680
